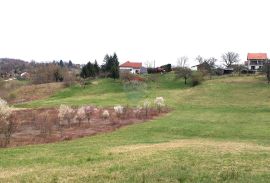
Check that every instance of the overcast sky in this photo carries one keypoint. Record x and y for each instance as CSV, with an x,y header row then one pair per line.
x,y
137,30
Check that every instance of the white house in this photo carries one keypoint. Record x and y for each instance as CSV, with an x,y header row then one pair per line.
x,y
132,67
255,61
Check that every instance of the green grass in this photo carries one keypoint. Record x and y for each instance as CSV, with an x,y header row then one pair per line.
x,y
107,92
217,132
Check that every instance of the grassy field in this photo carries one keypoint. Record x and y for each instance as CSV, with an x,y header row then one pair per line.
x,y
217,132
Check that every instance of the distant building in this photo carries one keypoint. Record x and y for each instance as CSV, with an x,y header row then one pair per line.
x,y
255,61
25,75
200,67
132,67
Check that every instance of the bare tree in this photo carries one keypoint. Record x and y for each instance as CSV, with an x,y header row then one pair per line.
x,y
238,69
230,58
149,64
182,61
183,72
45,124
89,110
199,59
210,65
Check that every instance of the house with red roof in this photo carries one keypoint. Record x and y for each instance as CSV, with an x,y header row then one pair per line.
x,y
132,67
255,61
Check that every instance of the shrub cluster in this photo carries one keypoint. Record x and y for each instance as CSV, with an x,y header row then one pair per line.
x,y
128,77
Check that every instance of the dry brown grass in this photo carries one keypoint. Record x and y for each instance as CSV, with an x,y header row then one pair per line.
x,y
34,92
203,145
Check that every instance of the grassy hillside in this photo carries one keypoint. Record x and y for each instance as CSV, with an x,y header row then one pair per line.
x,y
107,92
217,132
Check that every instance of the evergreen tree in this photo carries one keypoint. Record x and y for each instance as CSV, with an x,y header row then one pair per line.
x,y
88,70
97,68
70,64
115,67
111,66
114,72
61,63
83,73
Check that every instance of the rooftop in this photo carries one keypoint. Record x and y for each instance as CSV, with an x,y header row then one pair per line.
x,y
132,64
257,56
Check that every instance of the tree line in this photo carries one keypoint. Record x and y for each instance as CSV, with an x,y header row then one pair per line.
x,y
206,66
109,68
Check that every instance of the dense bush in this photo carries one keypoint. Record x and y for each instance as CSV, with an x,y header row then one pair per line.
x,y
51,72
196,78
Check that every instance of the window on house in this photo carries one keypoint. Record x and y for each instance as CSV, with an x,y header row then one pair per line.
x,y
252,67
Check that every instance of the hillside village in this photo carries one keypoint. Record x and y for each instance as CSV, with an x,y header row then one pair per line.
x,y
229,64
23,84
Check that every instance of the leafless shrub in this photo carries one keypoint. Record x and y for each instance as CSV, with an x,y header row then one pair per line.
x,y
65,114
7,123
51,72
69,78
45,124
89,110
126,110
146,107
118,110
138,111
159,102
80,116
105,114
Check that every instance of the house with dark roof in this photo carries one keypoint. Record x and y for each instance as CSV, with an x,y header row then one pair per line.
x,y
132,67
255,61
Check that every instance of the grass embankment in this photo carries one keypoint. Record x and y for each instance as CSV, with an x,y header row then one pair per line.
x,y
16,91
218,131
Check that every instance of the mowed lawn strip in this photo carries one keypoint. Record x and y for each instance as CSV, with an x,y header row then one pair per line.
x,y
216,132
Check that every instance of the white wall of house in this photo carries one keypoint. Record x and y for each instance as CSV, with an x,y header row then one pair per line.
x,y
255,64
254,67
194,68
130,69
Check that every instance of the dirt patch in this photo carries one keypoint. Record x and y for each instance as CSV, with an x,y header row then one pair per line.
x,y
35,126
